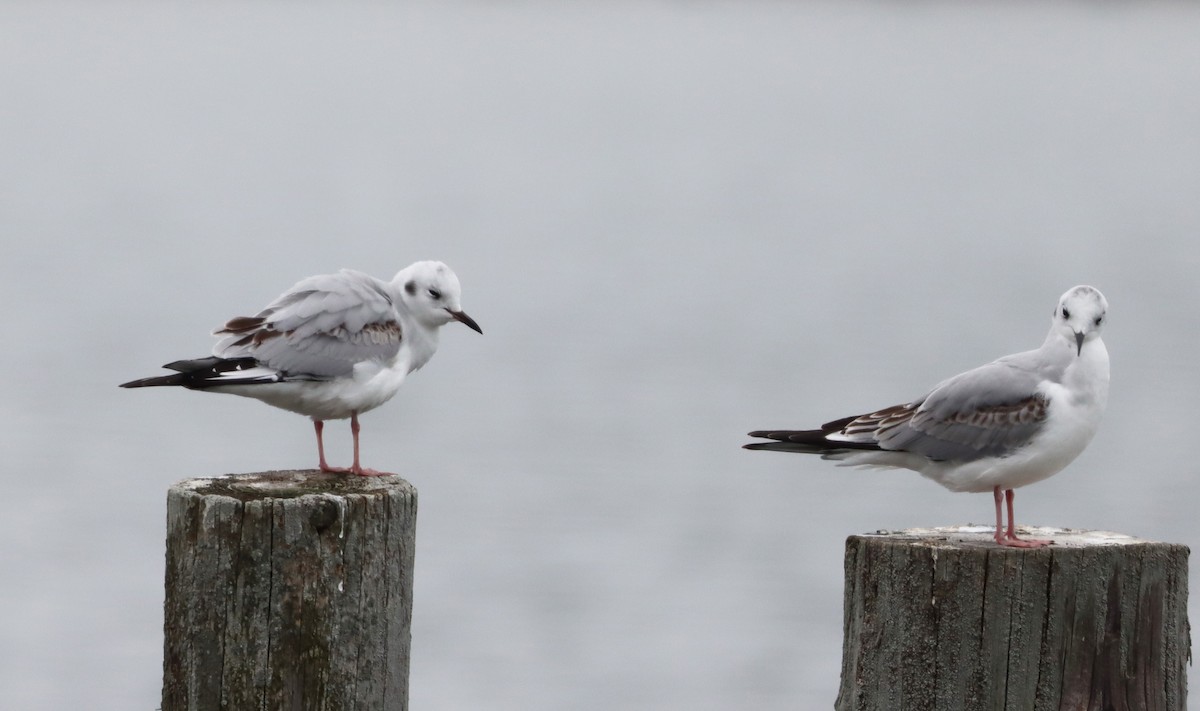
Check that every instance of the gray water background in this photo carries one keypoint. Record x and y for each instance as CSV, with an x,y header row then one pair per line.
x,y
676,222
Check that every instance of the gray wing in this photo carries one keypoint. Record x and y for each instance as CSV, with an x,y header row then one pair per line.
x,y
320,327
990,411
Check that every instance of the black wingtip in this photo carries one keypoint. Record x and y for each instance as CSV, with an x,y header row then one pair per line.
x,y
784,435
778,440
195,373
793,447
806,441
153,382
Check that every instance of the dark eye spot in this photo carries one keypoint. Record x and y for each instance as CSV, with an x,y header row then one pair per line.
x,y
411,288
434,294
1099,319
1066,314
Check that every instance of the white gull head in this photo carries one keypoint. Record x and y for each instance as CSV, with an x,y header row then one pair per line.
x,y
431,295
1079,317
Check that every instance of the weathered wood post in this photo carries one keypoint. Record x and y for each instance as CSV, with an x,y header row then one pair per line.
x,y
943,618
288,590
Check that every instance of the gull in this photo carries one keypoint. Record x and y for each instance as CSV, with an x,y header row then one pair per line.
x,y
1012,422
331,347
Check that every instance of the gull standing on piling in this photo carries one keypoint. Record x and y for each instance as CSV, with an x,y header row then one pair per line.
x,y
331,347
1012,422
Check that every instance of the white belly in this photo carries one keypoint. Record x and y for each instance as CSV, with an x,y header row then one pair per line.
x,y
371,385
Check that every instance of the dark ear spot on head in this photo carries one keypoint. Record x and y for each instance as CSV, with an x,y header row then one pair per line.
x,y
411,287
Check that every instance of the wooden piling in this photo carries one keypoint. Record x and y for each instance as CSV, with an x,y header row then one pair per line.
x,y
943,618
288,590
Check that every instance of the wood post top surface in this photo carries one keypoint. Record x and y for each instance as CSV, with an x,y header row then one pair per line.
x,y
980,536
294,483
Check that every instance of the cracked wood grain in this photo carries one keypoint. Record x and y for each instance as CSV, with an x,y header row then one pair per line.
x,y
944,619
288,590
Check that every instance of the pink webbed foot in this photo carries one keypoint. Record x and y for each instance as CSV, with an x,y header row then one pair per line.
x,y
1010,540
363,471
359,471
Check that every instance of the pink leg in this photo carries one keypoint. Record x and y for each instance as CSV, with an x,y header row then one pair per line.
x,y
319,426
356,468
998,495
1010,538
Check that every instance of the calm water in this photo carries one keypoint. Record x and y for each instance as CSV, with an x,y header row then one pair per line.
x,y
675,223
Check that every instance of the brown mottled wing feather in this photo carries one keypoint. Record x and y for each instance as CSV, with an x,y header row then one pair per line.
x,y
320,327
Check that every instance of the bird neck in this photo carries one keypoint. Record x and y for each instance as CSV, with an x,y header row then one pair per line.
x,y
422,344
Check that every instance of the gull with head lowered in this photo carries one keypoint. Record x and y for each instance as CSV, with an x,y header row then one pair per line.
x,y
1012,422
331,347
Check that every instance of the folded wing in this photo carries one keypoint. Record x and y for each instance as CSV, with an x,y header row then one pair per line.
x,y
991,411
320,328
